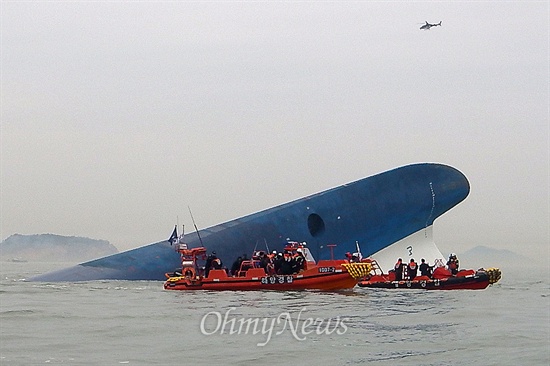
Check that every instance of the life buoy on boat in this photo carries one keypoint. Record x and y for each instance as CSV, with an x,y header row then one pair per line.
x,y
188,272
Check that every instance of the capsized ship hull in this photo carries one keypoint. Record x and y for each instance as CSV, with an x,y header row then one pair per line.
x,y
376,212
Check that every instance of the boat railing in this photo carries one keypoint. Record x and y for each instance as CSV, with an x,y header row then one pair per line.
x,y
375,267
246,265
359,270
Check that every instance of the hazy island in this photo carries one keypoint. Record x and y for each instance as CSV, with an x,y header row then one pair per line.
x,y
53,248
482,256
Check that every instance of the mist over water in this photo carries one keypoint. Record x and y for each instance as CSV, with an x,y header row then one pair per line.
x,y
139,323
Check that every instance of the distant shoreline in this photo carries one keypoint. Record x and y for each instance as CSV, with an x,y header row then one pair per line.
x,y
53,248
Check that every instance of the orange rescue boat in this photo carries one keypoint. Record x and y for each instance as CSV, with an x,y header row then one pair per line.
x,y
323,275
441,279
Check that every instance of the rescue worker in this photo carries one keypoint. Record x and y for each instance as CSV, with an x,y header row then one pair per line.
x,y
398,268
264,263
425,269
236,266
216,263
208,264
298,261
412,269
286,265
278,263
452,264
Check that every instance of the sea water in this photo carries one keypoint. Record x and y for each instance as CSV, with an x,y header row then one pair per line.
x,y
139,323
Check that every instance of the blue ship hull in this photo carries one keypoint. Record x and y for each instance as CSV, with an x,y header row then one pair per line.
x,y
376,211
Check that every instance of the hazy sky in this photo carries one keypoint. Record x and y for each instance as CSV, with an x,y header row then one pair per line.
x,y
116,116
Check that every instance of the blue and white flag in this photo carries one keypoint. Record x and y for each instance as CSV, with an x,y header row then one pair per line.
x,y
174,237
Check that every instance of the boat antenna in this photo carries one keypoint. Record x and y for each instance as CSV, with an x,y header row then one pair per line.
x,y
358,250
266,246
331,246
196,230
178,224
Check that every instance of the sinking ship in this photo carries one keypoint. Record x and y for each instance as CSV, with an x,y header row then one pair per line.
x,y
389,215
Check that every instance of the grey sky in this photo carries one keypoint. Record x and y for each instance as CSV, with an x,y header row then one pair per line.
x,y
115,116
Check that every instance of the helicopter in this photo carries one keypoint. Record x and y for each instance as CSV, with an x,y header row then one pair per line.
x,y
427,26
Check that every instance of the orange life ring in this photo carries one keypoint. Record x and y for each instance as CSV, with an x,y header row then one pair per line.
x,y
188,272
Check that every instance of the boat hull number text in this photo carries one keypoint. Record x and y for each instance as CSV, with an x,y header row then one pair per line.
x,y
273,280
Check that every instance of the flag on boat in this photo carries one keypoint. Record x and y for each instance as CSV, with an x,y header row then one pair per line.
x,y
174,237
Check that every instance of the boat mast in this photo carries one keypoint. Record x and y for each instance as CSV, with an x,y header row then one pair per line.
x,y
196,229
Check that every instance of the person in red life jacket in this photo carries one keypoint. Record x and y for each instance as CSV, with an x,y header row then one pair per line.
x,y
452,264
412,269
398,268
299,261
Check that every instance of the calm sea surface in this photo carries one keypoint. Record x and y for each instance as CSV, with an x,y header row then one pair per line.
x,y
139,323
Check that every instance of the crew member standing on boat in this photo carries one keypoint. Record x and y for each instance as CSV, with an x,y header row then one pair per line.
x,y
299,261
278,263
236,266
425,269
286,265
264,263
217,263
412,269
209,263
452,264
398,268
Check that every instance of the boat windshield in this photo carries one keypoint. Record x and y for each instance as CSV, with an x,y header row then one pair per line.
x,y
308,255
293,247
